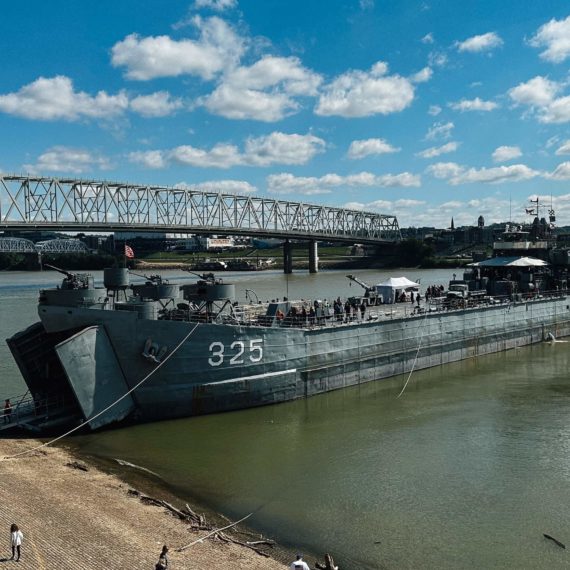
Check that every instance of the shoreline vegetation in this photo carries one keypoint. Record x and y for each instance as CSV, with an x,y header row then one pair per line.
x,y
406,254
82,513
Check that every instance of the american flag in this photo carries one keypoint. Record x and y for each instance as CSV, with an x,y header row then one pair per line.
x,y
129,251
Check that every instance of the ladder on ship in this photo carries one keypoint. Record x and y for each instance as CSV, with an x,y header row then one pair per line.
x,y
36,414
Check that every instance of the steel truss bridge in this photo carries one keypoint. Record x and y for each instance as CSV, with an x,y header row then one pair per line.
x,y
20,245
84,205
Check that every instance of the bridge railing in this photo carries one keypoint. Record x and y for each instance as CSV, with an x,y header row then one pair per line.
x,y
98,205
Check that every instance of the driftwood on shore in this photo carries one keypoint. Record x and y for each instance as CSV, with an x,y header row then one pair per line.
x,y
198,522
328,565
213,533
77,465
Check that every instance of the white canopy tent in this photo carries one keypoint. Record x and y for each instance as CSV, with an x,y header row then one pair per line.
x,y
392,288
510,262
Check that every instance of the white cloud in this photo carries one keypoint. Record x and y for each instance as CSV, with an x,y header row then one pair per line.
x,y
264,91
481,43
557,112
275,148
154,159
217,47
427,39
289,184
286,183
539,94
362,94
221,186
281,148
564,148
552,141
555,36
562,172
437,151
68,160
434,110
496,175
220,156
217,5
159,104
250,104
362,148
444,170
506,153
51,99
437,59
272,71
439,131
476,104
456,174
422,76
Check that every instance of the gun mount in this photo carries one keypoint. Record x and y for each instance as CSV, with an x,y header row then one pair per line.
x,y
369,290
73,280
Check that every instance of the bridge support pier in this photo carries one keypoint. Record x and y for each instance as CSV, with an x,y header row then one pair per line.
x,y
287,257
313,257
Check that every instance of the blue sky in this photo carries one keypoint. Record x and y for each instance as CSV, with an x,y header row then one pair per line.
x,y
423,109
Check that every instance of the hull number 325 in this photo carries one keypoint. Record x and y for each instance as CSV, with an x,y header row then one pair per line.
x,y
238,352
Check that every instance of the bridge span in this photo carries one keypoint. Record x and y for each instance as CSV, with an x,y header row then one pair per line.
x,y
28,202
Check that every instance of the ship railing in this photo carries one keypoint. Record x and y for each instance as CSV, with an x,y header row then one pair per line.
x,y
255,315
26,408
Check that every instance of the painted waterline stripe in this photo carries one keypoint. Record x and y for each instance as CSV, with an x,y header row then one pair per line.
x,y
256,377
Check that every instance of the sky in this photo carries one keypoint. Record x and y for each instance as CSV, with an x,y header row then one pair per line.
x,y
426,110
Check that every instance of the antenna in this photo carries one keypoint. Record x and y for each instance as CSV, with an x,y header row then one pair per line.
x,y
510,208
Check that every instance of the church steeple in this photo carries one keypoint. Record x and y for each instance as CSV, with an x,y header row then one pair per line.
x,y
452,224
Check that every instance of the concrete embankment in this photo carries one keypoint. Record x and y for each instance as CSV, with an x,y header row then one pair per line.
x,y
87,520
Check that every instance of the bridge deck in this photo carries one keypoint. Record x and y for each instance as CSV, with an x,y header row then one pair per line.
x,y
86,205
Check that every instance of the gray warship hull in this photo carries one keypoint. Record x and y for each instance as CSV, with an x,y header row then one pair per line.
x,y
96,360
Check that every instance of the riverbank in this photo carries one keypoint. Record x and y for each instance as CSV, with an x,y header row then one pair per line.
x,y
88,519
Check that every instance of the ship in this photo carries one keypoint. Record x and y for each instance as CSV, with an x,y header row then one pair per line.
x,y
124,353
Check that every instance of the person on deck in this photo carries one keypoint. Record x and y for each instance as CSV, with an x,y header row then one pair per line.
x,y
7,411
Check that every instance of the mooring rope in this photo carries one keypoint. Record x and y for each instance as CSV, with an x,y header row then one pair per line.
x,y
162,363
417,353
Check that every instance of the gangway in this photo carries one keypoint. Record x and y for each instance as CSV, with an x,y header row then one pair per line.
x,y
38,414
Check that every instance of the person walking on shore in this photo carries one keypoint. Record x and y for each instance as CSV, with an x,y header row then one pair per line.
x,y
299,564
16,540
162,563
7,412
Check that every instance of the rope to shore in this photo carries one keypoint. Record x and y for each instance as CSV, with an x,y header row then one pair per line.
x,y
162,363
182,548
417,354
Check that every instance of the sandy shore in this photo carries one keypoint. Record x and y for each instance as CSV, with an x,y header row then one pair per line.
x,y
86,520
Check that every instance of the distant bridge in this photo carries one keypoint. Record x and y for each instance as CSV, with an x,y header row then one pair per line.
x,y
20,245
28,203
